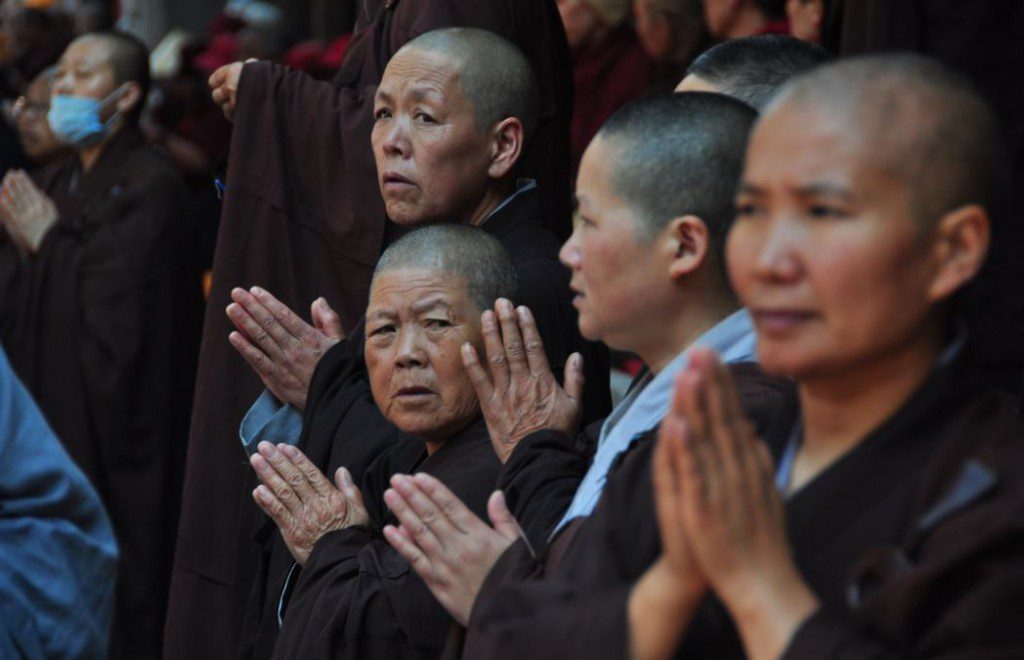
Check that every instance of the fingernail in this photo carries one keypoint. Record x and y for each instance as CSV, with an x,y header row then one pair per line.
x,y
346,478
258,291
467,349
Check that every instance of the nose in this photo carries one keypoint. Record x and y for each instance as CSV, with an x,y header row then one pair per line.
x,y
570,252
778,259
410,353
62,83
396,139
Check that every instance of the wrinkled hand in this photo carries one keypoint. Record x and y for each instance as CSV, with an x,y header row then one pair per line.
x,y
444,542
521,395
300,499
732,511
25,211
224,85
280,347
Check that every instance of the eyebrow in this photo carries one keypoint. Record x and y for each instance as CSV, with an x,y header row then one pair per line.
x,y
430,302
817,189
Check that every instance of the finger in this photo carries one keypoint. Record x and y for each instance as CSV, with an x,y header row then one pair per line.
x,y
665,477
260,313
536,358
275,483
285,317
326,320
312,473
348,487
697,441
418,531
272,506
501,518
497,361
477,374
720,421
409,551
217,77
573,380
453,509
512,339
432,515
254,331
256,358
291,475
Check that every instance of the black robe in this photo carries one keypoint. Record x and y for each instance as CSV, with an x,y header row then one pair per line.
x,y
356,597
102,326
340,410
913,542
303,218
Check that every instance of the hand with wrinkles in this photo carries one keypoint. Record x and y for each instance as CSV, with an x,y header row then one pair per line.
x,y
300,499
444,542
25,211
281,348
521,395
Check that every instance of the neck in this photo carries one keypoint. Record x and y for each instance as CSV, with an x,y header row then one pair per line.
x,y
841,409
689,322
749,21
495,195
89,155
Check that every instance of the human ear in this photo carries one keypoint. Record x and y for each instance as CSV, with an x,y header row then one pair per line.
x,y
961,244
506,147
689,241
130,98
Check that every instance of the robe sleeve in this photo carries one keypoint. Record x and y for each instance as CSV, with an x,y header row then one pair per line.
x,y
541,476
57,550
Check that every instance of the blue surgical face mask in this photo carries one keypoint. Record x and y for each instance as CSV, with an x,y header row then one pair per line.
x,y
75,120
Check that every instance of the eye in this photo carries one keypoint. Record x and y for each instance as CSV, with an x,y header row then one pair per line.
x,y
383,330
438,323
424,118
747,209
826,211
382,113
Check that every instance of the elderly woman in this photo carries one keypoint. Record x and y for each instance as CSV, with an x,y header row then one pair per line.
x,y
890,525
40,145
356,597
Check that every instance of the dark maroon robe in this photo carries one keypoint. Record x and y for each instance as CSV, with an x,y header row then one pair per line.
x,y
102,326
303,218
913,542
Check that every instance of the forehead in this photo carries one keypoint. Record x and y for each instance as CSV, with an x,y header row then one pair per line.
x,y
694,83
416,71
415,290
87,51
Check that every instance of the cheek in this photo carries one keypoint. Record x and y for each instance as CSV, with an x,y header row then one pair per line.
x,y
741,253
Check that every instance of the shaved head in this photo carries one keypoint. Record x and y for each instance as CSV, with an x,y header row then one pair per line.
x,y
129,59
915,119
492,72
459,251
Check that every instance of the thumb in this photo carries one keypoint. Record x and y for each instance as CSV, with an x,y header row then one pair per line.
x,y
502,519
573,380
343,480
217,77
326,320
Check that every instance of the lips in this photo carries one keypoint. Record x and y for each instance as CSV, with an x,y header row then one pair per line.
x,y
413,391
395,180
780,321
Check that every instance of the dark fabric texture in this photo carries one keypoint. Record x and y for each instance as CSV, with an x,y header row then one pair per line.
x,y
303,218
102,326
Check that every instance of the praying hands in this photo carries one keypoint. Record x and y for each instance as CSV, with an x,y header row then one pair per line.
x,y
721,520
521,395
300,499
25,211
447,545
281,348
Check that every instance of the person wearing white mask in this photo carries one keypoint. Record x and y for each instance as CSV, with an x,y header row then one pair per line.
x,y
99,312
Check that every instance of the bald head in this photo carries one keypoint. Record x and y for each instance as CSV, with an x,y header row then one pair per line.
x,y
129,59
680,155
915,119
459,251
493,74
752,69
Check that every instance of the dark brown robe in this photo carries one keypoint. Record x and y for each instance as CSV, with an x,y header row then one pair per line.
x,y
340,409
102,327
913,542
303,218
356,597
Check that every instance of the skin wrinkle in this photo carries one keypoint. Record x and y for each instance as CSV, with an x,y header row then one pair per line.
x,y
426,131
413,343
